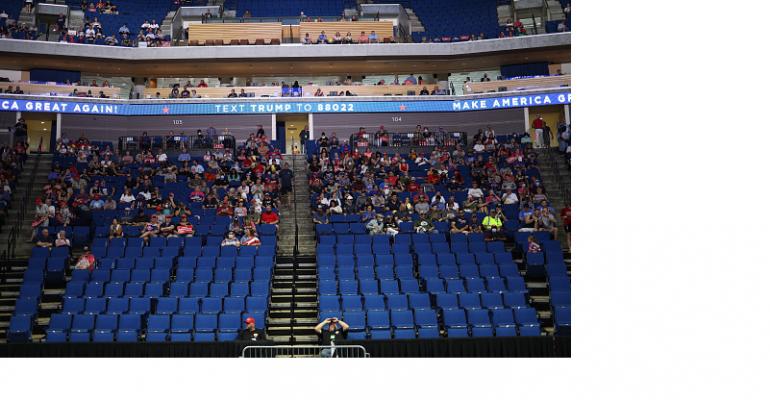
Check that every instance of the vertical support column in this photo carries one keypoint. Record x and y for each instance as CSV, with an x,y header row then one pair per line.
x,y
526,119
567,114
272,131
58,127
311,136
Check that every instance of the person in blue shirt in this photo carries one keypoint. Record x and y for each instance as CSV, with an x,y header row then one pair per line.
x,y
373,37
184,155
322,37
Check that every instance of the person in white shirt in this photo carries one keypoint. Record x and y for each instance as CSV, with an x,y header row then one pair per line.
x,y
146,24
162,157
478,147
145,193
127,197
154,25
197,169
90,33
509,197
475,191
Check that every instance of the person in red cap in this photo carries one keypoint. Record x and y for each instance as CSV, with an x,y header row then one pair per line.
x,y
251,332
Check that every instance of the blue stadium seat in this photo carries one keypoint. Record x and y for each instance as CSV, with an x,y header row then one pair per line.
x,y
374,302
389,286
469,300
118,305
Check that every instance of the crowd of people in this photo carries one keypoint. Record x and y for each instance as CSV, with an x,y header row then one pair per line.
x,y
244,185
11,161
359,181
338,38
148,34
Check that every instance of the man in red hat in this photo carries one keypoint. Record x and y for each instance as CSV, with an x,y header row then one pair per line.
x,y
251,333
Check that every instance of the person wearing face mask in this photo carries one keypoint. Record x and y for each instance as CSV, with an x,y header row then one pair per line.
x,y
231,240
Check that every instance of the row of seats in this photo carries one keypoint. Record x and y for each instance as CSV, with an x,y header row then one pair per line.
x,y
196,288
348,302
420,247
159,328
165,305
400,239
401,324
201,286
432,285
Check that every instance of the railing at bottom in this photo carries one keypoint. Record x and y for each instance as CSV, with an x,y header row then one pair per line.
x,y
286,351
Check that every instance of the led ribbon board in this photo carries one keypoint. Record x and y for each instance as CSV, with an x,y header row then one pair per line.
x,y
278,105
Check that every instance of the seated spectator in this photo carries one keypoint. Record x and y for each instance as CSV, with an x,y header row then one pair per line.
x,y
150,229
86,261
269,216
532,245
375,226
322,37
547,222
348,39
362,38
44,239
231,240
424,91
250,239
116,229
373,37
61,240
493,225
184,228
232,94
337,38
243,93
307,39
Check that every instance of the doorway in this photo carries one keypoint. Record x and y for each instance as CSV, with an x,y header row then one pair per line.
x,y
288,137
40,128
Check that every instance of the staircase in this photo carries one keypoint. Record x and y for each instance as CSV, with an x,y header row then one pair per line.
x,y
297,227
293,307
415,25
26,18
555,11
11,279
33,176
556,176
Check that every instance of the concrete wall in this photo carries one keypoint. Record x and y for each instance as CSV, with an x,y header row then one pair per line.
x,y
502,121
110,128
157,54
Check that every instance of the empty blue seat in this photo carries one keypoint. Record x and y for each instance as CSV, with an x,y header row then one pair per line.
x,y
378,319
389,286
351,302
356,320
446,300
369,286
118,305
188,305
181,323
455,318
374,302
428,332
425,317
153,289
475,285
235,305
455,286
469,300
211,305
514,299
95,305
82,323
73,305
526,316
419,300
205,323
167,305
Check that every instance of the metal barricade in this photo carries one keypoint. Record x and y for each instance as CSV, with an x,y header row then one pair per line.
x,y
307,351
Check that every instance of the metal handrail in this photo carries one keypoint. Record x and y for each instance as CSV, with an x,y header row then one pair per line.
x,y
303,351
